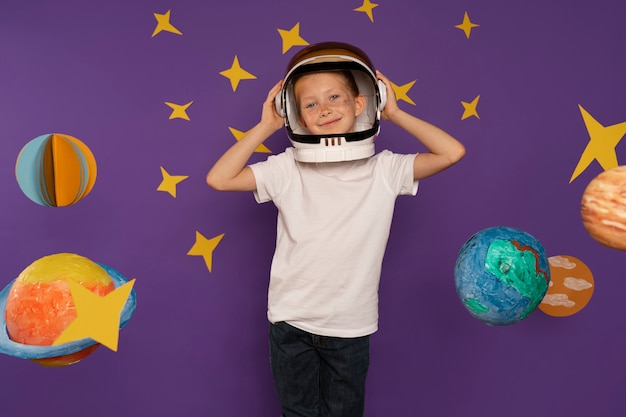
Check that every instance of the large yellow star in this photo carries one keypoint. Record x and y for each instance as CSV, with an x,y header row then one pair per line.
x,y
235,74
291,37
96,317
204,247
168,184
469,109
367,8
402,91
238,134
163,24
601,145
179,111
467,25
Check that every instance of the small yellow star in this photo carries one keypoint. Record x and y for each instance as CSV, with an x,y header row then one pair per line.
x,y
235,74
96,317
179,111
238,134
291,37
367,8
204,247
168,184
601,145
163,24
402,91
470,108
467,25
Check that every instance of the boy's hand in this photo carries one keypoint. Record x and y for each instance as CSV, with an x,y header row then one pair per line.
x,y
270,117
392,105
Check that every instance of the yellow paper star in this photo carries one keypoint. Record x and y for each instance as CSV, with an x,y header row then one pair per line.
x,y
467,25
204,247
235,74
470,108
179,111
402,91
601,145
367,8
238,134
96,317
163,24
291,37
168,184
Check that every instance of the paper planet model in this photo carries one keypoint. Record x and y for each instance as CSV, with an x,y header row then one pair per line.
x,y
55,170
571,286
501,275
603,208
38,306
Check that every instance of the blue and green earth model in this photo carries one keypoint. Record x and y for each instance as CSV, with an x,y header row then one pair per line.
x,y
501,275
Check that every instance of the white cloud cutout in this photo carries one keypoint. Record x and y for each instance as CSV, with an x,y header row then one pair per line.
x,y
577,284
558,300
561,262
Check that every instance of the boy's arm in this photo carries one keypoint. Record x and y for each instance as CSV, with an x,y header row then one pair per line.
x,y
444,150
230,172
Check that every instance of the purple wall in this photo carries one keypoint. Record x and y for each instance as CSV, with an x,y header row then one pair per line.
x,y
196,345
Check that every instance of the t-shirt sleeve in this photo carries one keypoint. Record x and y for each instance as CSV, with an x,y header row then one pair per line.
x,y
398,171
272,176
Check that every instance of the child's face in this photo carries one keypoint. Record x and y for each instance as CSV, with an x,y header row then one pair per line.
x,y
326,104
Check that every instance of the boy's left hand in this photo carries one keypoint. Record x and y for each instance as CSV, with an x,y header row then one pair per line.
x,y
392,104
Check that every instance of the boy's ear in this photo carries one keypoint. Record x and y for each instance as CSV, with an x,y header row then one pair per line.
x,y
359,104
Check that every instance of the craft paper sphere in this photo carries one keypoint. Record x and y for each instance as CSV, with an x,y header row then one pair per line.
x,y
55,170
39,305
570,289
603,208
501,275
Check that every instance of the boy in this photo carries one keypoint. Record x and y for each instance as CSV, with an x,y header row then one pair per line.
x,y
335,204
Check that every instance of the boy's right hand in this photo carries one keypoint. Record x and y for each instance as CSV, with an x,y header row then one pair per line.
x,y
270,117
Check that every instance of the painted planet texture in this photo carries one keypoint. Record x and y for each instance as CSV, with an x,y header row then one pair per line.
x,y
571,286
603,208
38,307
501,275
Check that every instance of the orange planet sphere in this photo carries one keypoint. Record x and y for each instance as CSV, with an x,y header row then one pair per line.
x,y
570,289
40,305
603,208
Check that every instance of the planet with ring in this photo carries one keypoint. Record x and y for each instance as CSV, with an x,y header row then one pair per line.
x,y
36,306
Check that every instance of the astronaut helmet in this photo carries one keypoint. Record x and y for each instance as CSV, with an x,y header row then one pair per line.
x,y
325,57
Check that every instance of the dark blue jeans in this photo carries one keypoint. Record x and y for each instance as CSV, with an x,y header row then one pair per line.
x,y
318,376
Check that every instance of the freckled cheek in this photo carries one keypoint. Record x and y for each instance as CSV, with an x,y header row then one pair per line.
x,y
309,118
341,103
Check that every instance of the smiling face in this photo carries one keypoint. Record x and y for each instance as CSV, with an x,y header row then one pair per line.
x,y
327,104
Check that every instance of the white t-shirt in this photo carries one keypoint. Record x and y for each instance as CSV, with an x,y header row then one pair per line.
x,y
332,231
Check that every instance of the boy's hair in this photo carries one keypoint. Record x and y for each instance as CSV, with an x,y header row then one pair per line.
x,y
347,76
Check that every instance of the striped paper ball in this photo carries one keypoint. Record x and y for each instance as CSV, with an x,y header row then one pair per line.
x,y
55,170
